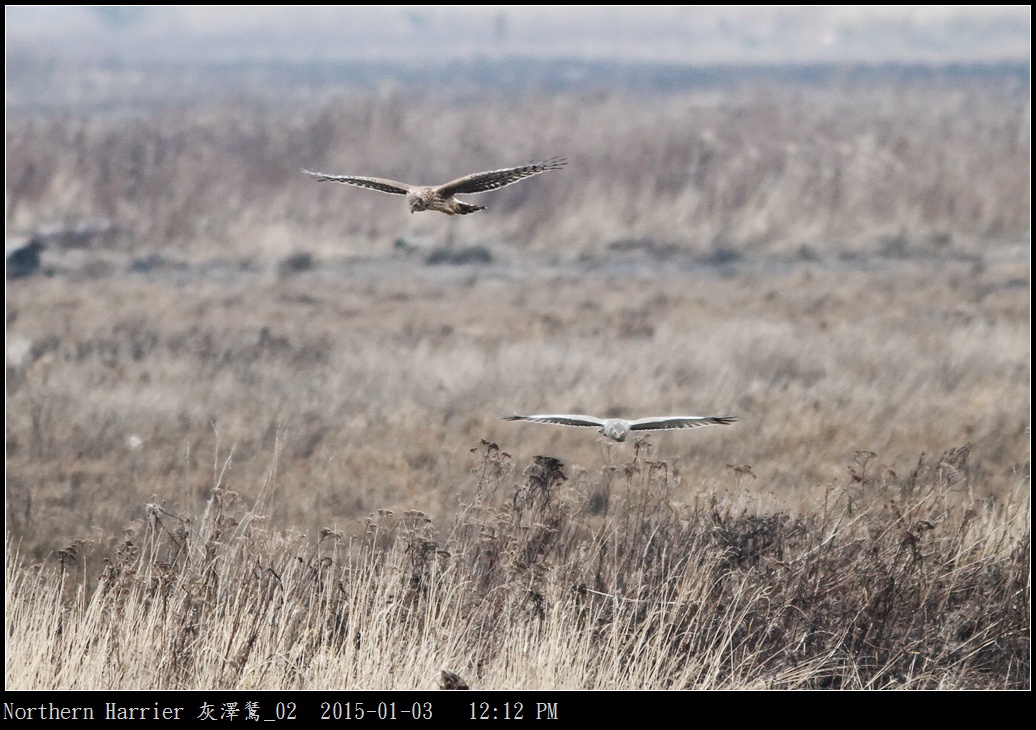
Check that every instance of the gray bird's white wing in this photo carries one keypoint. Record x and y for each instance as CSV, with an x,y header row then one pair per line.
x,y
561,420
374,183
481,182
675,422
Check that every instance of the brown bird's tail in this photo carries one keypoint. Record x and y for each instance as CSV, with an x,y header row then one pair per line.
x,y
466,208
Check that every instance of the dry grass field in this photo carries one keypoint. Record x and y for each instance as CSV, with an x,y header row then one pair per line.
x,y
254,432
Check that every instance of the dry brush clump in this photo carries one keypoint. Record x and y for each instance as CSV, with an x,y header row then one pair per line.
x,y
542,583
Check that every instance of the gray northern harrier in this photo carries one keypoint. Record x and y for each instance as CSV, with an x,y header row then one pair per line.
x,y
619,429
441,197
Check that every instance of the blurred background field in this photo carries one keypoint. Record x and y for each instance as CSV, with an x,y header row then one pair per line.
x,y
834,249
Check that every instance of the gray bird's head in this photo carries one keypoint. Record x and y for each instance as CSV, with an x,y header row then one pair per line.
x,y
616,428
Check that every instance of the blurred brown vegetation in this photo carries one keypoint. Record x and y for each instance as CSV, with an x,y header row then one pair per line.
x,y
324,397
758,170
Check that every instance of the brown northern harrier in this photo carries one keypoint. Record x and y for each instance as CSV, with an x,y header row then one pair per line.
x,y
441,197
619,429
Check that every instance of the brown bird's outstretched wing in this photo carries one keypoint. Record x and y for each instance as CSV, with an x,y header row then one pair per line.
x,y
374,183
481,182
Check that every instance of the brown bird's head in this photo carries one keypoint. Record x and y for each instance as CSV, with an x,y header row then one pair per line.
x,y
417,200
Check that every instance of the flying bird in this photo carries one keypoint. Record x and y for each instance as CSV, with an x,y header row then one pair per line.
x,y
441,197
619,428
